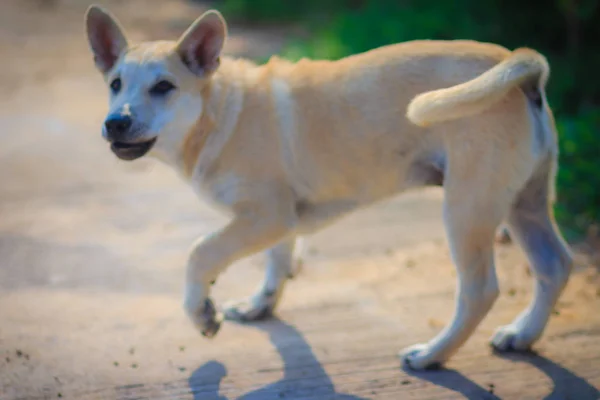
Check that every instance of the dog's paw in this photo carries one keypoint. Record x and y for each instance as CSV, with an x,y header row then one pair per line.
x,y
419,357
511,338
206,318
255,308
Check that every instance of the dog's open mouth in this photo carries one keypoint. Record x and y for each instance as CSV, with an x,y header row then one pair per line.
x,y
131,151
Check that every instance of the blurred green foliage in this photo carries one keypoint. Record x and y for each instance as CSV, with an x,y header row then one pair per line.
x,y
566,31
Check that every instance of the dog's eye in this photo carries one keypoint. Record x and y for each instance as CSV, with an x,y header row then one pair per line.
x,y
161,88
115,85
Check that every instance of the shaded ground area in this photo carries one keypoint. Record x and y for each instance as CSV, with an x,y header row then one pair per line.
x,y
93,251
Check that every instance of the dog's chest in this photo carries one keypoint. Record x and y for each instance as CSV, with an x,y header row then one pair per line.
x,y
222,193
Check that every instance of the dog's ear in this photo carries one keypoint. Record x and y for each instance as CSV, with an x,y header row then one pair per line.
x,y
200,45
106,37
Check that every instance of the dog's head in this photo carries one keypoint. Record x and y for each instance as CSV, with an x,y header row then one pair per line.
x,y
155,87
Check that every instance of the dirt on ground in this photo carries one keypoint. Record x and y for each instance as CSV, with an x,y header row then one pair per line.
x,y
93,252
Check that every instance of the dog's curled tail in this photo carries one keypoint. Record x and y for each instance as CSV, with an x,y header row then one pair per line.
x,y
523,66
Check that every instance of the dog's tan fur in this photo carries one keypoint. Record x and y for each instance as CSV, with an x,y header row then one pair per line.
x,y
288,148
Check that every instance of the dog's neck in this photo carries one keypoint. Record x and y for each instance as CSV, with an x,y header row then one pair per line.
x,y
208,121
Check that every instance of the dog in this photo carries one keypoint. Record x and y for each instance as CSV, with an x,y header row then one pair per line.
x,y
287,149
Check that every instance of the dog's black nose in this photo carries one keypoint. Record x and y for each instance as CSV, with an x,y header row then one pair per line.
x,y
117,125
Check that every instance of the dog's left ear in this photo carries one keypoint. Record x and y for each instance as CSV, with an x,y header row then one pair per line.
x,y
201,45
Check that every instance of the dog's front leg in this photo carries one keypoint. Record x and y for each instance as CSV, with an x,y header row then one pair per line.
x,y
283,262
246,234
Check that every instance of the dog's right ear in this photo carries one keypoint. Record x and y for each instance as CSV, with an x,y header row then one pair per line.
x,y
106,37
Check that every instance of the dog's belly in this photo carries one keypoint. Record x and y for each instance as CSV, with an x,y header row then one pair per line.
x,y
427,171
371,170
313,217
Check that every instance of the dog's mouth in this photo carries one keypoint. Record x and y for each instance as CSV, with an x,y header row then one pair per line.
x,y
131,151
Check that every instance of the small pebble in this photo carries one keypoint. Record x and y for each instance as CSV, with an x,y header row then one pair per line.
x,y
182,369
405,382
132,350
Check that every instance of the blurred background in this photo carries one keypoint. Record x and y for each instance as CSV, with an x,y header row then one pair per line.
x,y
93,249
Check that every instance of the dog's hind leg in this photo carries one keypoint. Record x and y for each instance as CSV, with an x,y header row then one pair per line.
x,y
472,252
532,224
283,262
472,212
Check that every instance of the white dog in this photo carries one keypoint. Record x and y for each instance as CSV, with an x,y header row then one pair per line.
x,y
288,149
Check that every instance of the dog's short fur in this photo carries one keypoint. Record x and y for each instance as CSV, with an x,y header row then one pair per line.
x,y
287,149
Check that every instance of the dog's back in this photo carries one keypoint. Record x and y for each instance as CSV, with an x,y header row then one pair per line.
x,y
342,123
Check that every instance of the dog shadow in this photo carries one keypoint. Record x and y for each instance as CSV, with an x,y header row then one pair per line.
x,y
305,377
455,381
567,385
205,382
303,374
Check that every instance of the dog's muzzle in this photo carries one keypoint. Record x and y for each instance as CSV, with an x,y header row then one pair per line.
x,y
118,131
131,151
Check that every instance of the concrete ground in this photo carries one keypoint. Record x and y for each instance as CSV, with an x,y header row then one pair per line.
x,y
93,251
